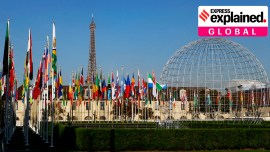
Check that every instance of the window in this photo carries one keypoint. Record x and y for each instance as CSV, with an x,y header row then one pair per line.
x,y
16,105
74,106
182,106
143,104
170,105
88,107
102,105
156,105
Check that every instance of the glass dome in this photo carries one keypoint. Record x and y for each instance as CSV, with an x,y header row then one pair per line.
x,y
217,75
214,63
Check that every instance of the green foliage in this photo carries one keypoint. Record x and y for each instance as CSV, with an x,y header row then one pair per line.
x,y
65,137
162,139
223,124
93,139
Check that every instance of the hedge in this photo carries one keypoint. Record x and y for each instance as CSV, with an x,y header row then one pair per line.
x,y
160,139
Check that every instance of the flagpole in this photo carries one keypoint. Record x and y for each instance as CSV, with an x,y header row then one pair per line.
x,y
38,113
7,45
53,87
122,104
46,112
41,115
46,95
52,110
108,95
7,110
132,99
29,85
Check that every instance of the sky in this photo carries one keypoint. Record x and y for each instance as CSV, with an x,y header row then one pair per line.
x,y
135,34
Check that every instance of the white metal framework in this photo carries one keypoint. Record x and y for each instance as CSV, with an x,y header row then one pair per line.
x,y
218,70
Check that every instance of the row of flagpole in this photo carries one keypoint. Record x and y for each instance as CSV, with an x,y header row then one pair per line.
x,y
8,89
39,88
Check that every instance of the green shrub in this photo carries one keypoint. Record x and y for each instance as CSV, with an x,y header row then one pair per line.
x,y
162,139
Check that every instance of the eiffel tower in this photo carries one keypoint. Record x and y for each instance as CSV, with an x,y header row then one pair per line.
x,y
92,66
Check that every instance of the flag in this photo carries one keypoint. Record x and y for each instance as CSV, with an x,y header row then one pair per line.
x,y
113,88
81,84
97,86
53,63
47,61
127,90
54,55
109,82
159,87
70,93
30,63
122,86
81,78
93,86
104,89
151,80
117,86
25,79
109,88
100,84
133,85
144,83
37,87
77,83
60,85
12,70
6,52
139,89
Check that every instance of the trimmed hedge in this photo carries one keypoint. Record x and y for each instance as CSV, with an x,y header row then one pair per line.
x,y
161,139
220,125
